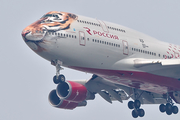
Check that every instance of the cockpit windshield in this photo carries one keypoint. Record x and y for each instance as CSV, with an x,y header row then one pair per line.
x,y
50,15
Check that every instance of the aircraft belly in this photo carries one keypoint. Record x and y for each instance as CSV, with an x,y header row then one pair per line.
x,y
140,80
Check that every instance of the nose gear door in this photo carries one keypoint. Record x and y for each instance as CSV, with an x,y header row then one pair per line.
x,y
82,39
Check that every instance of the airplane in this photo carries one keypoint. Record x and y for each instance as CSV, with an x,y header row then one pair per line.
x,y
125,63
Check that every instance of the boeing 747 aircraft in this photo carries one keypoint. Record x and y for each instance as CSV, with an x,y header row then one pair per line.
x,y
124,63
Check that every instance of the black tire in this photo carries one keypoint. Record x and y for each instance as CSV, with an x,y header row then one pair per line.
x,y
135,113
56,81
130,104
162,108
62,78
137,104
175,109
168,109
141,113
168,112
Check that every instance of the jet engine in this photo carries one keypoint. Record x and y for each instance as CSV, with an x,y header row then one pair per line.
x,y
71,91
69,95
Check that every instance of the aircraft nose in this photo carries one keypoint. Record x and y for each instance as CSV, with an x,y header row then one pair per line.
x,y
24,33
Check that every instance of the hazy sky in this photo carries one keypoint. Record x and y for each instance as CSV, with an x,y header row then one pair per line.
x,y
26,78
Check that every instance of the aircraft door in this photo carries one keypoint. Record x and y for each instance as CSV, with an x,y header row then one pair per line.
x,y
125,47
82,39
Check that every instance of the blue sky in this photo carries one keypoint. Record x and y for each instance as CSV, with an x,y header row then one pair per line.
x,y
26,78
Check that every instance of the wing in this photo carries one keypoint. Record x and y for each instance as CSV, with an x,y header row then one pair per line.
x,y
111,91
162,67
164,62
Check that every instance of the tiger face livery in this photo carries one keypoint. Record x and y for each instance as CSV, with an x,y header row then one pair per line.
x,y
51,22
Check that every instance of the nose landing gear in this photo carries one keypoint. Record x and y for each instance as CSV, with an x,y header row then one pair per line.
x,y
58,78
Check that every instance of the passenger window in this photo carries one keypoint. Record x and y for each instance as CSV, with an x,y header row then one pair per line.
x,y
69,35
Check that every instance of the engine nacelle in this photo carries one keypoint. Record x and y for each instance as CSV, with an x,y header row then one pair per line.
x,y
55,101
72,91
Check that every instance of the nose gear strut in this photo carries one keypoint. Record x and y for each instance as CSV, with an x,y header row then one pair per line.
x,y
58,78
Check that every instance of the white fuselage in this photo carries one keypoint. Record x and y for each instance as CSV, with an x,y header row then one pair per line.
x,y
105,49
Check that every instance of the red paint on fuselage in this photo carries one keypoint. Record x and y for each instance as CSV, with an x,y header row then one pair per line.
x,y
139,80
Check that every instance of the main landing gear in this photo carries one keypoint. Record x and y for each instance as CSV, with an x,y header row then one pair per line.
x,y
58,78
169,107
137,110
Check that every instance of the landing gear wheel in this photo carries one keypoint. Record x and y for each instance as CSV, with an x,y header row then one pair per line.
x,y
175,109
168,109
141,112
162,108
137,104
168,112
61,78
130,104
135,113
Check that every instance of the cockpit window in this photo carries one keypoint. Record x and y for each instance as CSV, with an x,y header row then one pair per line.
x,y
50,15
47,15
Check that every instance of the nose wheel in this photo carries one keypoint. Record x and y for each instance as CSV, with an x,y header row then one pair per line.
x,y
58,78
